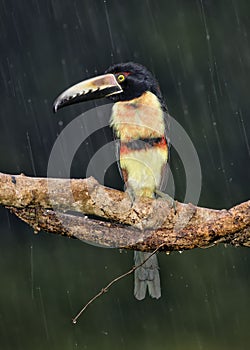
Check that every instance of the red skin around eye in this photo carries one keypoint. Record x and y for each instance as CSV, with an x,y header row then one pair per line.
x,y
124,73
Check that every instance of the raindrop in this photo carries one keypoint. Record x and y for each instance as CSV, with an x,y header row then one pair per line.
x,y
32,272
45,323
109,28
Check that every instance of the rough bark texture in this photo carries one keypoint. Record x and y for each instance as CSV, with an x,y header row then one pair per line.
x,y
63,206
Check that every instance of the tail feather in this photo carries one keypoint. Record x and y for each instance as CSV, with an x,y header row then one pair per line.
x,y
146,276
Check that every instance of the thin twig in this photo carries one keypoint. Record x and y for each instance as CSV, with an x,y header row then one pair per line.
x,y
105,289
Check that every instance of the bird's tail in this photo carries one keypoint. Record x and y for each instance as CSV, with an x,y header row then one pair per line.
x,y
146,275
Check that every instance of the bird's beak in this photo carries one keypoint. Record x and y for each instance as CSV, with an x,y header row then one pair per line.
x,y
97,87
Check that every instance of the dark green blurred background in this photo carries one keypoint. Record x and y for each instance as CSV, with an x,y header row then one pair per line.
x,y
200,53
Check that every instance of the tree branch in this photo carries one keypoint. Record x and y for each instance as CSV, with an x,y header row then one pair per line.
x,y
63,206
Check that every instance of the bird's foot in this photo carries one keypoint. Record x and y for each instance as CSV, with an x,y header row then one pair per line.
x,y
169,199
131,195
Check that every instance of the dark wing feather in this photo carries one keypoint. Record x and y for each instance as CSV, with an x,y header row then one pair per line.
x,y
165,168
123,173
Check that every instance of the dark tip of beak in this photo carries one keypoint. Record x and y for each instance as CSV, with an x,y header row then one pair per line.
x,y
75,98
55,107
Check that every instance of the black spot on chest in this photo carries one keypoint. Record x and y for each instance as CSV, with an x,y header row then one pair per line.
x,y
139,144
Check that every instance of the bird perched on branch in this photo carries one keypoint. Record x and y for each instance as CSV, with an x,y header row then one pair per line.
x,y
140,123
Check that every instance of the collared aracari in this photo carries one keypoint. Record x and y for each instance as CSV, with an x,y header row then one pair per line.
x,y
140,122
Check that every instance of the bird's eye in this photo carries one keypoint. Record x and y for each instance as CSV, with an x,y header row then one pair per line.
x,y
120,78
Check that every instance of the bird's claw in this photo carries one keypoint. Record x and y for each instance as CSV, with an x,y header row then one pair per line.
x,y
169,199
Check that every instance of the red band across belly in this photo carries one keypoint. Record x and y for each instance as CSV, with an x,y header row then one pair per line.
x,y
142,144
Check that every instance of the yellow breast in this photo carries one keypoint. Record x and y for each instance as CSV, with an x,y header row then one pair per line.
x,y
144,169
141,117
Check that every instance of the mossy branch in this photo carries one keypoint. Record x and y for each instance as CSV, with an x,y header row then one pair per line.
x,y
84,209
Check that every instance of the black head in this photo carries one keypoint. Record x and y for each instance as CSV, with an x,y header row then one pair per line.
x,y
121,82
134,80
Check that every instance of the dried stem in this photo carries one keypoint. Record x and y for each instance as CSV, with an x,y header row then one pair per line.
x,y
105,289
